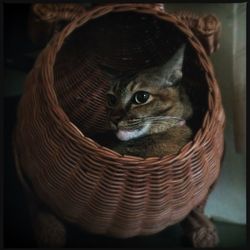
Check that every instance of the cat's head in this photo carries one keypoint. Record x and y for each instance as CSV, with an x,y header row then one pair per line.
x,y
141,104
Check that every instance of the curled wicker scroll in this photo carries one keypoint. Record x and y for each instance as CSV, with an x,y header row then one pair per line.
x,y
88,184
207,28
56,12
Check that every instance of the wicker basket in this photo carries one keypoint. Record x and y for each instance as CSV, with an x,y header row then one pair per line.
x,y
84,182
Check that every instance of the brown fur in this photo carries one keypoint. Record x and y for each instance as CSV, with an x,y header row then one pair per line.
x,y
159,145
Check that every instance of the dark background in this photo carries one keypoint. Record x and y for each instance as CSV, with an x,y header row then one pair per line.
x,y
19,55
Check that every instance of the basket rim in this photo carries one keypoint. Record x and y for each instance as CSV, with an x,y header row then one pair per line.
x,y
46,61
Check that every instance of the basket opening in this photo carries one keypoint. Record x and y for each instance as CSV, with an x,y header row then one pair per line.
x,y
124,41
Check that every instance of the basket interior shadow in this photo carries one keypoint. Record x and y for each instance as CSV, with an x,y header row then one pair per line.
x,y
126,41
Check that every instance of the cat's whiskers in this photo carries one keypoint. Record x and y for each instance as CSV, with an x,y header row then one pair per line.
x,y
152,118
156,120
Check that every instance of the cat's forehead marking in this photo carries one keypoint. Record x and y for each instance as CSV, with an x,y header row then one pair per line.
x,y
122,86
123,90
132,85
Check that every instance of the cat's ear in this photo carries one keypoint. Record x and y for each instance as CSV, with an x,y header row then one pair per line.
x,y
172,70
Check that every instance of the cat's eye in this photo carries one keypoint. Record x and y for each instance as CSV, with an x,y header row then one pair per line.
x,y
140,97
111,100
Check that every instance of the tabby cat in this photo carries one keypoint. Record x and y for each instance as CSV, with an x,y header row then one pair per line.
x,y
148,110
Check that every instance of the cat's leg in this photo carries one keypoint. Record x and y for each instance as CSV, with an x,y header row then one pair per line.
x,y
48,230
199,229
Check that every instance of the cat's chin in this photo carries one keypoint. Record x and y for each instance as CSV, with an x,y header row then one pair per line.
x,y
126,135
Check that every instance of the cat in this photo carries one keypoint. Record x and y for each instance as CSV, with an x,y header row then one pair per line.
x,y
148,110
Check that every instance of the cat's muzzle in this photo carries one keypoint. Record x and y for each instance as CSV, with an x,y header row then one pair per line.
x,y
125,133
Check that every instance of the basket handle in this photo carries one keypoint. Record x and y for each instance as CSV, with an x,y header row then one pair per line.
x,y
47,19
207,28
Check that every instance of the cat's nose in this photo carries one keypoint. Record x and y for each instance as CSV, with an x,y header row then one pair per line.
x,y
117,116
116,119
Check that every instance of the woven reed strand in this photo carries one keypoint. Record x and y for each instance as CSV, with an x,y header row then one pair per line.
x,y
97,188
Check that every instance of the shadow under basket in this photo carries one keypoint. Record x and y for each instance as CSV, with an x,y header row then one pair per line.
x,y
63,108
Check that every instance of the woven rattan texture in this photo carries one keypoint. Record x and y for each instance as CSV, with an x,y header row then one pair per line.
x,y
84,182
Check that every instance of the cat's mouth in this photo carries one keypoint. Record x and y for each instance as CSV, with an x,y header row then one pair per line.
x,y
125,134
